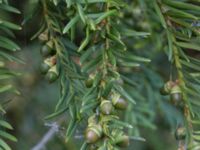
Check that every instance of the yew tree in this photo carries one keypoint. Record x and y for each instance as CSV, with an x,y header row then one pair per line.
x,y
121,66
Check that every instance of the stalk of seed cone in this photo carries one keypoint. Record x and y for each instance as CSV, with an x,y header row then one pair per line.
x,y
93,133
176,94
52,74
180,133
106,107
124,141
119,102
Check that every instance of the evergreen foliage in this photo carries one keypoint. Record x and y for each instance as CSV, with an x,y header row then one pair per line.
x,y
7,47
105,56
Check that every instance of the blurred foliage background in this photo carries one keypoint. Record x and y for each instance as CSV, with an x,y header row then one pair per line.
x,y
38,98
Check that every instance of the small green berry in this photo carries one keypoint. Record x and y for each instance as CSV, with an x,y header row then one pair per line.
x,y
44,68
52,75
47,51
47,64
176,95
106,107
93,133
119,102
124,141
89,83
163,91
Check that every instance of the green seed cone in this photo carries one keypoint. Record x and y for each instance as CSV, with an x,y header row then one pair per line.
x,y
46,65
166,89
93,133
91,136
163,91
89,83
176,98
106,107
44,68
124,142
121,104
176,95
180,133
47,51
52,75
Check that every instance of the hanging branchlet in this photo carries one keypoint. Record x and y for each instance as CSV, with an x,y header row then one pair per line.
x,y
91,49
88,73
102,79
92,67
8,46
177,19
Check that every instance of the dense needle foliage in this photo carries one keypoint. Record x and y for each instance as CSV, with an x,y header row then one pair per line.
x,y
120,66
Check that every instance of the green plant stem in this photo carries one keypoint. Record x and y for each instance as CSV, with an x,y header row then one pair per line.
x,y
45,13
46,17
187,113
107,44
181,79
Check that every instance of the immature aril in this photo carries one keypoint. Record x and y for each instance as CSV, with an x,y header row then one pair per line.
x,y
46,51
44,68
119,102
52,74
180,133
124,141
93,133
92,120
46,65
165,90
106,107
176,94
89,83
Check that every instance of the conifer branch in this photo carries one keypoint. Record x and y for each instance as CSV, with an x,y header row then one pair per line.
x,y
171,25
7,47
